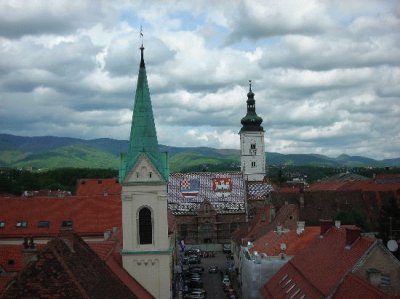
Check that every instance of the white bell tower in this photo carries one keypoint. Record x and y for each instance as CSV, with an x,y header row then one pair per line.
x,y
252,149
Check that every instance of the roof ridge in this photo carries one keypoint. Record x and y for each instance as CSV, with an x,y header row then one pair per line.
x,y
65,266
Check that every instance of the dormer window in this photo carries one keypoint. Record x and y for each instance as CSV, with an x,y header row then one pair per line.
x,y
21,224
67,224
44,224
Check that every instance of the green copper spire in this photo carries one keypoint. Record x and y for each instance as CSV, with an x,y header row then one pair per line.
x,y
143,137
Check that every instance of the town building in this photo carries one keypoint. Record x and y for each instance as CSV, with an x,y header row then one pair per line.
x,y
341,257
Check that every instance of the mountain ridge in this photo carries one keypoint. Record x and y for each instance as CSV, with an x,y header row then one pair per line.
x,y
55,152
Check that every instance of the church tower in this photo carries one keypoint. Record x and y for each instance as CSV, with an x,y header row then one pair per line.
x,y
143,174
252,152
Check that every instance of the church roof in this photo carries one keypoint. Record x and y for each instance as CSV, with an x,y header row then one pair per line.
x,y
143,137
225,191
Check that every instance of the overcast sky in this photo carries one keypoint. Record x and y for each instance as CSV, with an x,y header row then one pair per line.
x,y
325,74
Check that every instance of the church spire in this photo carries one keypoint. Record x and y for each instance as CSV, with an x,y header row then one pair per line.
x,y
251,122
143,136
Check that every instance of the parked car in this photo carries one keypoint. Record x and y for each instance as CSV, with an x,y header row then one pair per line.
x,y
226,248
226,281
198,269
213,269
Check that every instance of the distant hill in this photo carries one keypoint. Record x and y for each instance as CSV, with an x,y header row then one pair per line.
x,y
55,152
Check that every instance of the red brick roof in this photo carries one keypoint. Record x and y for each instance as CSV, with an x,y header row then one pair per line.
x,y
90,215
356,287
368,185
270,243
109,251
67,268
318,269
90,187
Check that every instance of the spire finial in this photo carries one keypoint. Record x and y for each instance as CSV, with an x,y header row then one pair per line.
x,y
141,48
249,85
141,34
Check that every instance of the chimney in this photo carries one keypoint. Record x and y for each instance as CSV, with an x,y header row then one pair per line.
x,y
352,234
29,251
337,223
279,229
325,225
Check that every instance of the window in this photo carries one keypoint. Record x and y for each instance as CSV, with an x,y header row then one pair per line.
x,y
137,174
253,146
145,226
44,224
67,224
253,164
150,174
2,224
22,224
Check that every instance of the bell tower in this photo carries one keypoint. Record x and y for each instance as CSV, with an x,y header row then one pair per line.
x,y
143,174
252,149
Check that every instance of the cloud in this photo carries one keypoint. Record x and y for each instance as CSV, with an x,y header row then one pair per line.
x,y
325,74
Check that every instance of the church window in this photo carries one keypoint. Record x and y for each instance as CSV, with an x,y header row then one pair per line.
x,y
150,174
145,226
253,164
137,174
253,146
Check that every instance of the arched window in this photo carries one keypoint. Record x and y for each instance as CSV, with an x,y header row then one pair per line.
x,y
145,226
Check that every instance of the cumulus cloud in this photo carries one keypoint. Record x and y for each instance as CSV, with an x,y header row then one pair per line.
x,y
325,74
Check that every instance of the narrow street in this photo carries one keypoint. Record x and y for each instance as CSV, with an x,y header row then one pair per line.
x,y
212,282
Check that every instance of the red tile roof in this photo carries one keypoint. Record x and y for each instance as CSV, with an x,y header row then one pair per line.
x,y
318,269
109,251
364,186
90,215
356,287
90,187
270,243
67,268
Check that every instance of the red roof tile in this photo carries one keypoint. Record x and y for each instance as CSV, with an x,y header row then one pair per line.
x,y
320,267
67,268
356,287
270,243
90,215
104,187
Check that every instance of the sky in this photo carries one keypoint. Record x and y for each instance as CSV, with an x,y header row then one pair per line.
x,y
326,74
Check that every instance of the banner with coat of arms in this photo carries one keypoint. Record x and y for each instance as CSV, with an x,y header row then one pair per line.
x,y
190,188
222,186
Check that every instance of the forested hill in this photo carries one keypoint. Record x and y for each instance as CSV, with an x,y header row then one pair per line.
x,y
55,152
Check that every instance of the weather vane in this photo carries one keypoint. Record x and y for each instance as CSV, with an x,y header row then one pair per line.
x,y
141,34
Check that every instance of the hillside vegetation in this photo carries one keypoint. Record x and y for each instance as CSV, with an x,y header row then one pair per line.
x,y
56,152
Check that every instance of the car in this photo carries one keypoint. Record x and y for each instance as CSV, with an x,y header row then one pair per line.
x,y
213,269
198,269
226,281
198,290
226,248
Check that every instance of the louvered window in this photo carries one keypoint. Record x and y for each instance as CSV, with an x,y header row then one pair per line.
x,y
145,226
